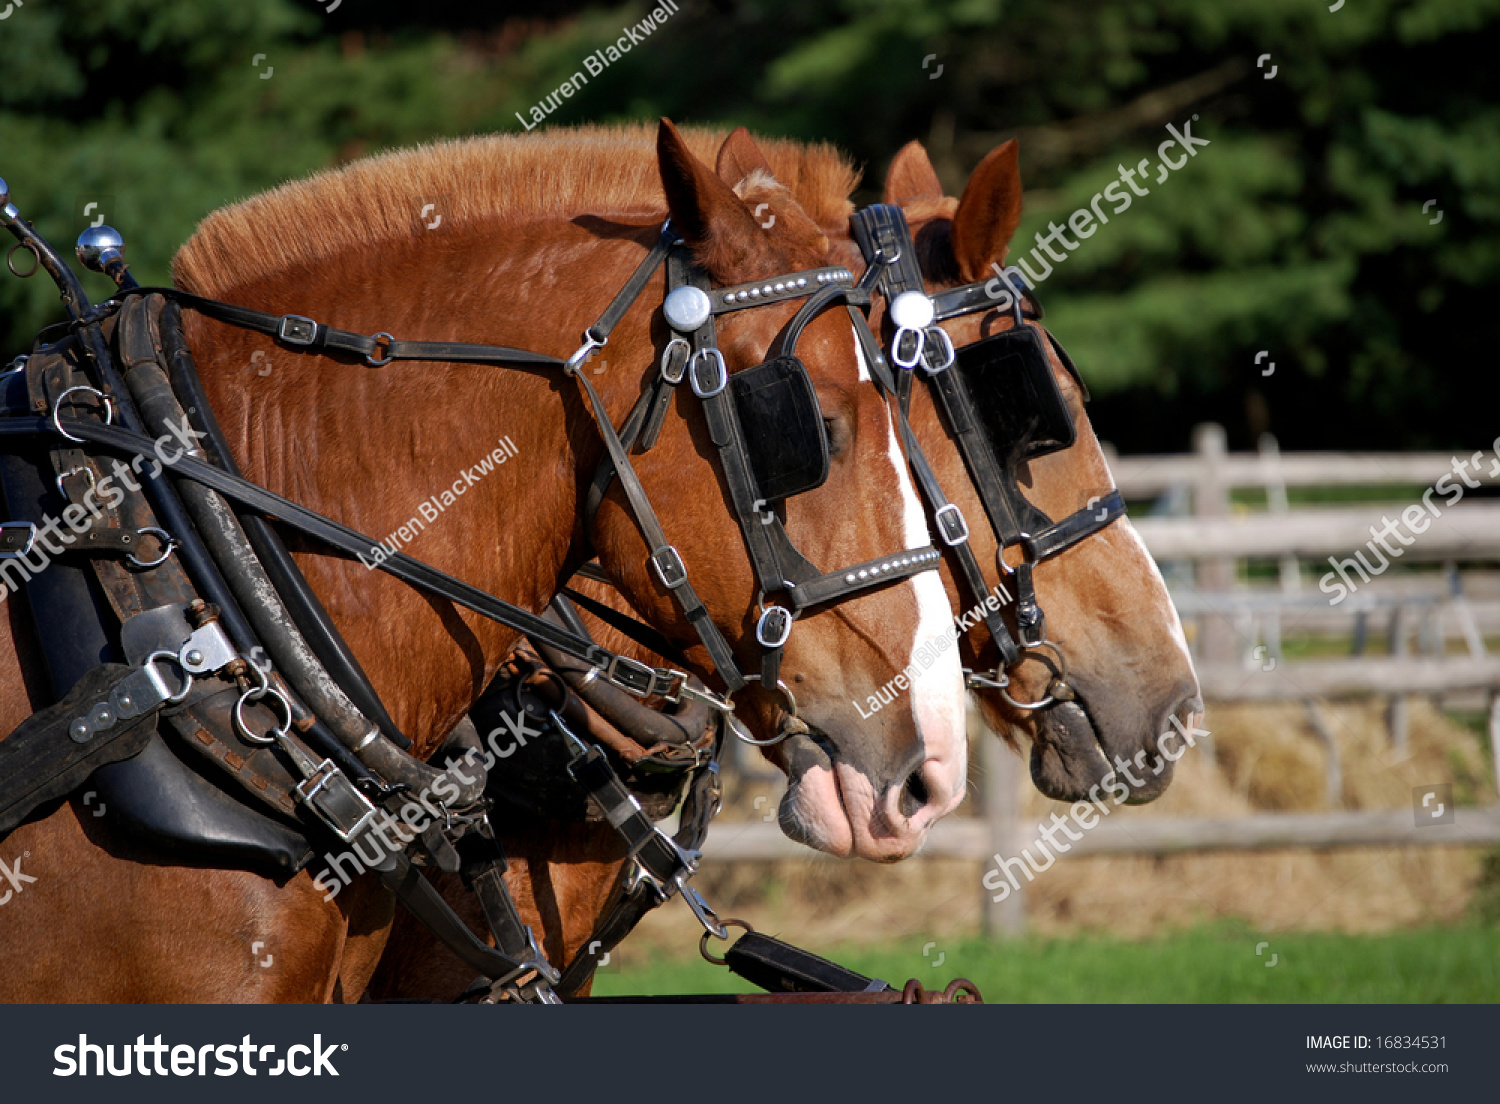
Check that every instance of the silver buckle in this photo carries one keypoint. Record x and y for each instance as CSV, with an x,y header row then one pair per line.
x,y
639,678
343,808
718,382
953,532
674,378
16,527
947,355
774,627
916,354
297,329
668,561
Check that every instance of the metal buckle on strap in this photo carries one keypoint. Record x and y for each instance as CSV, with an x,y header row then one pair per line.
x,y
951,525
669,567
674,375
297,329
10,547
337,802
717,382
938,337
774,627
632,675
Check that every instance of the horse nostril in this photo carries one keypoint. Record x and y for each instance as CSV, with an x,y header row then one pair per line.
x,y
914,795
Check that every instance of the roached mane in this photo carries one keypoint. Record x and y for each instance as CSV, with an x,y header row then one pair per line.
x,y
566,172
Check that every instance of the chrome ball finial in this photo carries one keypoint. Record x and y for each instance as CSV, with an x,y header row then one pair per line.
x,y
686,309
98,245
4,192
912,310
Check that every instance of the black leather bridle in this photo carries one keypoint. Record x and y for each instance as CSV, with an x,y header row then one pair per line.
x,y
919,343
779,567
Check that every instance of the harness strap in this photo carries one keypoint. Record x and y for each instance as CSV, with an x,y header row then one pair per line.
x,y
483,871
300,332
599,332
957,540
427,905
667,562
627,673
638,631
880,235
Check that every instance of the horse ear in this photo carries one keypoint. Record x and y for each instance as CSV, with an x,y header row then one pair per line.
x,y
739,156
705,210
911,177
988,213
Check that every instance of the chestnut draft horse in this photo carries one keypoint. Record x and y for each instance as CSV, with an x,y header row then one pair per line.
x,y
542,233
1105,601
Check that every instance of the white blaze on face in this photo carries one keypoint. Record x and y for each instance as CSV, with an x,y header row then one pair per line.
x,y
937,694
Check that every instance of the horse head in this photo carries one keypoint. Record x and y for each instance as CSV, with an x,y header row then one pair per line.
x,y
1107,609
861,782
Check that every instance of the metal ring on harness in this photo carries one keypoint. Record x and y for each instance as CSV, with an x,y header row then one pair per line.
x,y
109,409
590,343
168,543
10,260
743,734
1061,675
17,365
277,733
370,356
774,627
149,665
726,924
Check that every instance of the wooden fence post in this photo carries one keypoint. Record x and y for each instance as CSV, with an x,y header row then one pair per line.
x,y
1002,812
1216,633
1397,716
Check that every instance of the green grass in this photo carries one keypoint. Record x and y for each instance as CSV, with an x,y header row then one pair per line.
x,y
1208,965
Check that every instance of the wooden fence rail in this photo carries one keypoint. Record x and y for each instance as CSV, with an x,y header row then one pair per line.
x,y
969,838
1213,539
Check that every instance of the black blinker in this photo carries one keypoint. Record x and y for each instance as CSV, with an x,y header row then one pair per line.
x,y
782,427
1015,395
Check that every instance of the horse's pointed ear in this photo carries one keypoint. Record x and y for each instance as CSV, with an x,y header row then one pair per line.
x,y
739,156
988,213
911,176
704,209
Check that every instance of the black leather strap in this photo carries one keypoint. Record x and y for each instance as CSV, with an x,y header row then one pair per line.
x,y
665,560
637,678
428,906
1074,528
298,332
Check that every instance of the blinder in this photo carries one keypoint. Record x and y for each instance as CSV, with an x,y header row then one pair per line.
x,y
782,427
1015,395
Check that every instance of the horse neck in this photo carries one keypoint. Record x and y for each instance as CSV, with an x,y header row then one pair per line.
x,y
475,469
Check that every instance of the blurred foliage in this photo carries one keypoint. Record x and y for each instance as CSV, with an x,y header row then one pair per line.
x,y
1300,230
